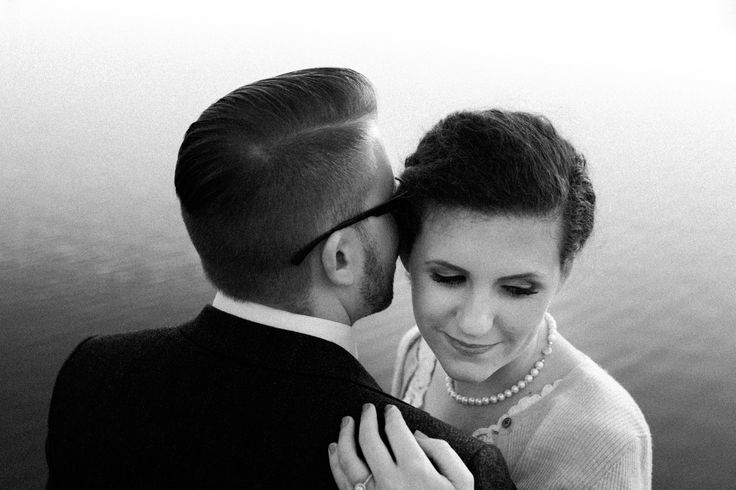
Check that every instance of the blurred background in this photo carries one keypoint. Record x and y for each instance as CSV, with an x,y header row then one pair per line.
x,y
95,98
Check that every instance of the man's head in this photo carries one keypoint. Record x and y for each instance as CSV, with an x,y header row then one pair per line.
x,y
276,163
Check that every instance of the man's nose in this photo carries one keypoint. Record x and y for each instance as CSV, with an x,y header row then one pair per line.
x,y
477,313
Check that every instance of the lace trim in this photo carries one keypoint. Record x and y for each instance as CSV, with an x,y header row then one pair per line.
x,y
488,434
420,365
422,376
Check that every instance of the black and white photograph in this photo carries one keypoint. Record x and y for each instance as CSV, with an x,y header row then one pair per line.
x,y
367,246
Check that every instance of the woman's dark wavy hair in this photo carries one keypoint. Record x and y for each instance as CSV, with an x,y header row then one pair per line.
x,y
499,163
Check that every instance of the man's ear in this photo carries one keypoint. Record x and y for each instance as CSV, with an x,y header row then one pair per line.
x,y
341,257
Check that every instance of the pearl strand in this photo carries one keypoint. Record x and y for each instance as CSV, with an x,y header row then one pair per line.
x,y
514,389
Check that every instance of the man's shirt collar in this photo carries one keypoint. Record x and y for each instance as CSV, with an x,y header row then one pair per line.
x,y
335,332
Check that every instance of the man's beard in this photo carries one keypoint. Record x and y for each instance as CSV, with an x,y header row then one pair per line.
x,y
377,288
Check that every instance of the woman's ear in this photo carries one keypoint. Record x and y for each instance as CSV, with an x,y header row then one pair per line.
x,y
341,257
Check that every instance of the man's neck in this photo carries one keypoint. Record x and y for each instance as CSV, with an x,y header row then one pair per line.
x,y
317,306
327,304
332,313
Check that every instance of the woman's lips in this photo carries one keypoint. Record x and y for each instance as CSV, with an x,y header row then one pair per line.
x,y
468,349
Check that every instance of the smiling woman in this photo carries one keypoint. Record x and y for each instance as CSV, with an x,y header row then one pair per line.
x,y
499,205
480,286
97,96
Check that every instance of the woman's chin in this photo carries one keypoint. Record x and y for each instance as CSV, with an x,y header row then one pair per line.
x,y
468,374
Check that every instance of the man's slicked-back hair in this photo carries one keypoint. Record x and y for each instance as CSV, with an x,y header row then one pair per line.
x,y
265,169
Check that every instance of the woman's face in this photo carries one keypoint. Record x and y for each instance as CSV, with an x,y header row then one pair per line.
x,y
480,287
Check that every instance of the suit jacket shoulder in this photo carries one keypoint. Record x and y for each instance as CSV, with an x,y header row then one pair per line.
x,y
218,402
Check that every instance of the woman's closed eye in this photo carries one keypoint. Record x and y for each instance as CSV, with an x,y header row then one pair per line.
x,y
521,291
450,280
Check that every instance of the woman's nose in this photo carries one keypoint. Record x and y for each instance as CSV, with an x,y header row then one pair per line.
x,y
476,314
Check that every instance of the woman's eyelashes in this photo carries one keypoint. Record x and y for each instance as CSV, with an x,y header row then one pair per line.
x,y
521,291
458,279
450,280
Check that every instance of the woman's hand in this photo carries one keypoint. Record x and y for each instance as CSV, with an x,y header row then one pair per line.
x,y
414,454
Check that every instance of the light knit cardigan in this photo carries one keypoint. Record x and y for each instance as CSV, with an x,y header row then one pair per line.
x,y
584,431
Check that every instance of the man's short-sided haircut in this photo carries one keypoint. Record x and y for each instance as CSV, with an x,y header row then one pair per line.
x,y
265,169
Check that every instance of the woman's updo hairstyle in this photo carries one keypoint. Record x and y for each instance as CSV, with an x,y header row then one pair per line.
x,y
499,163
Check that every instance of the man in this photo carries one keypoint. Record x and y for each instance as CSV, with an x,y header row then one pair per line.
x,y
284,190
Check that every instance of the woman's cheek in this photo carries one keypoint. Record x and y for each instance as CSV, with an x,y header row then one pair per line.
x,y
437,305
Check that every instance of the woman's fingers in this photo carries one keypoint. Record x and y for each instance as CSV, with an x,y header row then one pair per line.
x,y
412,469
347,467
341,479
403,444
446,460
374,450
346,450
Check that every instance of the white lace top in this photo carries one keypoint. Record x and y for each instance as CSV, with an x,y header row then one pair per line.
x,y
582,431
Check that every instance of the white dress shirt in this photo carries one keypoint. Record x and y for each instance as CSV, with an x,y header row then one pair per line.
x,y
335,332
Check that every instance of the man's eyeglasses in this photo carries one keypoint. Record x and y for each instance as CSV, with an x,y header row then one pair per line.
x,y
379,210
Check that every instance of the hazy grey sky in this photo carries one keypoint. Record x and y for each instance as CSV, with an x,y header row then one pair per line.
x,y
424,57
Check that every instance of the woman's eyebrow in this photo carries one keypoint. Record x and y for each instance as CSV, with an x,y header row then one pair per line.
x,y
445,264
526,275
530,276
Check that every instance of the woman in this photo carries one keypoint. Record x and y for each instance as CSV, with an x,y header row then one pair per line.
x,y
498,206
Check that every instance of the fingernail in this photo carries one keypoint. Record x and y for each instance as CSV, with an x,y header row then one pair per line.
x,y
332,448
420,434
344,422
366,406
388,408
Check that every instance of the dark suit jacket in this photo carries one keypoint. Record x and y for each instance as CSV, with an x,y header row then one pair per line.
x,y
218,402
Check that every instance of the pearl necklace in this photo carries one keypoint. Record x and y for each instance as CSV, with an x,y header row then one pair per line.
x,y
520,385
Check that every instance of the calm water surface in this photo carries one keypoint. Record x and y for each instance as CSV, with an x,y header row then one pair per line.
x,y
91,241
